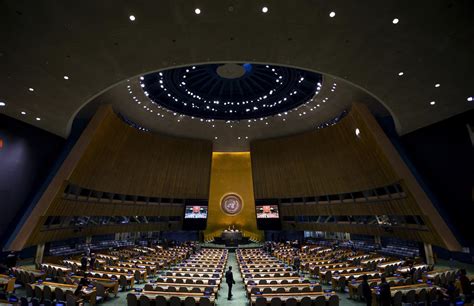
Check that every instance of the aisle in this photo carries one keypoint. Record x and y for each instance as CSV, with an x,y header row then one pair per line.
x,y
238,290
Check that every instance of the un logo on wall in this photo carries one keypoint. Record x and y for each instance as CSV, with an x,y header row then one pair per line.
x,y
231,204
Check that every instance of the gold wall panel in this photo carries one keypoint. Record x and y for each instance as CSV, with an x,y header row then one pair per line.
x,y
231,173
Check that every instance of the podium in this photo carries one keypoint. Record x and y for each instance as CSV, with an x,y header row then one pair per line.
x,y
231,238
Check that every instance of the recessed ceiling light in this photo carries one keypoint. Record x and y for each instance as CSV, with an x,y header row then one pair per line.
x,y
395,21
470,99
400,73
2,103
437,85
131,17
332,14
23,113
31,89
215,137
66,77
432,102
38,118
197,11
357,132
264,9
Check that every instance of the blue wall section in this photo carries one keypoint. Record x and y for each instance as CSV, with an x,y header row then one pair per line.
x,y
26,159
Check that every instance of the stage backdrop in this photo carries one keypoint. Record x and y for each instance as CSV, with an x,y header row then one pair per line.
x,y
231,182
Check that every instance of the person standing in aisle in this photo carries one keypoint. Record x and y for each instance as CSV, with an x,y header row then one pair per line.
x,y
229,279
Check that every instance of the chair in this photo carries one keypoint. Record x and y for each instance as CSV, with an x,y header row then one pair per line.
x,y
410,297
189,281
102,294
260,301
29,291
71,300
171,289
47,294
175,301
294,289
160,301
24,301
422,296
262,282
144,300
59,294
189,301
131,300
179,281
148,287
318,288
158,288
183,289
320,301
38,293
267,290
306,301
306,289
291,302
333,300
204,301
397,298
35,302
275,301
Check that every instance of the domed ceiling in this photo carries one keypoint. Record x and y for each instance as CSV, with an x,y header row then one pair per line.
x,y
231,103
231,91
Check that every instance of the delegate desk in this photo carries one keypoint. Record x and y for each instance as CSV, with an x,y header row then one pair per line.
x,y
404,289
298,296
90,294
103,274
354,284
181,295
109,284
202,287
407,269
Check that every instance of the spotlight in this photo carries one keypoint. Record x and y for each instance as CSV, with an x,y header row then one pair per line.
x,y
197,11
332,14
395,21
264,9
131,17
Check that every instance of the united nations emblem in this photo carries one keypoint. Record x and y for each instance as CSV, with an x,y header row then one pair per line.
x,y
231,204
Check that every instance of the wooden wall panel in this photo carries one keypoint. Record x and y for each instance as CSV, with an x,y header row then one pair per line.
x,y
121,159
327,161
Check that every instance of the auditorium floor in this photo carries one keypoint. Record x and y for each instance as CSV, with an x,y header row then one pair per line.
x,y
239,297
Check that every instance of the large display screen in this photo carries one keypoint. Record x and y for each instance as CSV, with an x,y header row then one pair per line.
x,y
195,212
267,212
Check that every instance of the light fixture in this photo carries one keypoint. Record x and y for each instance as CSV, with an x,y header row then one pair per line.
x,y
131,17
470,99
197,11
2,103
264,9
357,132
332,14
432,102
66,77
400,73
38,118
215,137
23,113
395,21
31,89
437,85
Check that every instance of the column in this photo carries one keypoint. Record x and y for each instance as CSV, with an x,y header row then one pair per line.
x,y
429,258
39,254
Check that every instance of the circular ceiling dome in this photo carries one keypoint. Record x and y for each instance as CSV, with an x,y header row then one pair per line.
x,y
231,91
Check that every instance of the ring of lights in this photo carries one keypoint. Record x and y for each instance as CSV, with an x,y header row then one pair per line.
x,y
202,92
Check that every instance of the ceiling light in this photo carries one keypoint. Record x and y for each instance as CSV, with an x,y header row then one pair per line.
x,y
437,85
197,11
31,89
38,118
264,9
432,102
332,14
215,137
357,132
23,113
470,99
395,21
400,73
66,77
131,17
2,103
